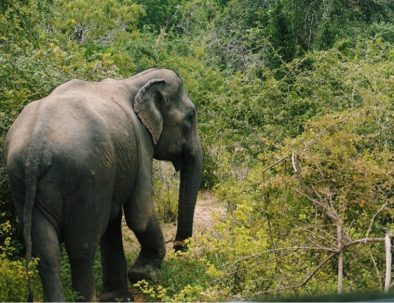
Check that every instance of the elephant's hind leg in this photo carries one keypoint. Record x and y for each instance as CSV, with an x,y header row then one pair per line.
x,y
45,244
81,256
86,222
46,247
113,263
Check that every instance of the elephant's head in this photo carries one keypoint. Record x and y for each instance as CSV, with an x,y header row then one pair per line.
x,y
167,112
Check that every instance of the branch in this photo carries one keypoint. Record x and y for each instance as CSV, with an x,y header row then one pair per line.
x,y
376,269
362,241
275,163
294,162
295,66
327,211
295,248
374,217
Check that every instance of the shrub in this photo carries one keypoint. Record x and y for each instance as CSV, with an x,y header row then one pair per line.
x,y
13,276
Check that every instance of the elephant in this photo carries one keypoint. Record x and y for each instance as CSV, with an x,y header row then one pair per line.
x,y
81,158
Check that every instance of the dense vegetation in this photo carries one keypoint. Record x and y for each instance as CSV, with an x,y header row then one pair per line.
x,y
296,111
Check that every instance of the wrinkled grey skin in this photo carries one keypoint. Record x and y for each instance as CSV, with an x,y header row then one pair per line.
x,y
80,156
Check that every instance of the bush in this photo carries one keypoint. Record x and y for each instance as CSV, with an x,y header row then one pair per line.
x,y
13,276
288,208
165,191
183,278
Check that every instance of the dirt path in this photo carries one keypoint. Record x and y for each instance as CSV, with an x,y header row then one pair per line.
x,y
207,208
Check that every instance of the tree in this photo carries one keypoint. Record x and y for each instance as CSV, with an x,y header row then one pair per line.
x,y
271,33
160,15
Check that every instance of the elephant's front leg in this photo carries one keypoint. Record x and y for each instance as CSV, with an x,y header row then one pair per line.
x,y
141,220
113,263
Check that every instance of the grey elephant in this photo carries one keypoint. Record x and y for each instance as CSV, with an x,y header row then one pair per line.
x,y
80,157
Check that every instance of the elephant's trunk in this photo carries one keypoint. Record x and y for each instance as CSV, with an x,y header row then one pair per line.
x,y
191,171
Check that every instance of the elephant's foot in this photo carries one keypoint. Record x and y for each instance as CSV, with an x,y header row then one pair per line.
x,y
116,296
145,272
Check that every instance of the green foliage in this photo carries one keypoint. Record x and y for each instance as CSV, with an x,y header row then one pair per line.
x,y
165,192
160,14
249,33
175,279
75,20
183,278
13,277
339,167
285,216
251,115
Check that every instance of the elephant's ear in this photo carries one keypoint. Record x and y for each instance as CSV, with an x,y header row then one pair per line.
x,y
147,108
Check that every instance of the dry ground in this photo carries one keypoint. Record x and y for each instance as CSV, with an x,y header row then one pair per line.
x,y
207,208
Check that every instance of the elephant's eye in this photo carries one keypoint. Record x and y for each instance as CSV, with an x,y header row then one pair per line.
x,y
190,116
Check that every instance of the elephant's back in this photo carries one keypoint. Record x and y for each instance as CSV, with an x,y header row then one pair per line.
x,y
72,130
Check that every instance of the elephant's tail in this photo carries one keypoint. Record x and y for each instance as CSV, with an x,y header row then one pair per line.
x,y
31,174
